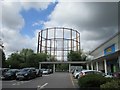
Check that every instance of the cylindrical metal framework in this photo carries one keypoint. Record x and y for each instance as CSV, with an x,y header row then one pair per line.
x,y
58,41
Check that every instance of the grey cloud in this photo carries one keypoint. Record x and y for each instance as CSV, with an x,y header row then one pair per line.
x,y
99,15
96,21
11,17
99,33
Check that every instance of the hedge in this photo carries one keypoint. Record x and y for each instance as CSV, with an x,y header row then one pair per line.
x,y
92,80
114,84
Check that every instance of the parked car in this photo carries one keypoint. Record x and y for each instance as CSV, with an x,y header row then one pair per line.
x,y
38,73
26,74
2,72
108,75
76,73
72,71
86,72
10,74
45,71
51,71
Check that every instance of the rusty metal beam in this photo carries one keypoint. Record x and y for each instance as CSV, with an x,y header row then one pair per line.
x,y
63,45
50,47
54,39
76,41
46,41
79,42
71,39
41,42
38,42
51,44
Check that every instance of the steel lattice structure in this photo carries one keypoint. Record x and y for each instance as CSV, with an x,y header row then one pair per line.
x,y
58,41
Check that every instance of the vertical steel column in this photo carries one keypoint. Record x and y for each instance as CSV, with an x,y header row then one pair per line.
x,y
91,66
38,42
63,45
76,41
41,42
79,42
87,65
54,39
50,47
71,39
53,67
46,41
105,66
39,65
67,46
97,66
73,44
69,67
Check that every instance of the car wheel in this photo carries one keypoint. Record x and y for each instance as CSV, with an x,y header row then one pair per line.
x,y
12,78
29,77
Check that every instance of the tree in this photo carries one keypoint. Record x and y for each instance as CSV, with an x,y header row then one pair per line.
x,y
51,58
14,60
74,56
25,53
42,57
26,58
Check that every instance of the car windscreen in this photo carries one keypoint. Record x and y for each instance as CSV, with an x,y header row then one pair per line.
x,y
24,70
10,71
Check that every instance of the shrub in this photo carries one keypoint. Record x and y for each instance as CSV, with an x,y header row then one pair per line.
x,y
92,80
114,84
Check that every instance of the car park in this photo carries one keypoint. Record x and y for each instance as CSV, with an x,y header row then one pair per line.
x,y
10,74
86,72
26,74
2,72
38,73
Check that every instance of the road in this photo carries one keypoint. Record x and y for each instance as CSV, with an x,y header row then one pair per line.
x,y
56,80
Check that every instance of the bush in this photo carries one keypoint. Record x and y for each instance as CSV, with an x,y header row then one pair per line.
x,y
92,80
114,84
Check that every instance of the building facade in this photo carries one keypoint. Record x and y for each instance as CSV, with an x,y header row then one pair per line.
x,y
106,57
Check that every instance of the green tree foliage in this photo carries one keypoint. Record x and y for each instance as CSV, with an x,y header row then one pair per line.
x,y
14,60
25,53
51,58
61,67
26,58
74,56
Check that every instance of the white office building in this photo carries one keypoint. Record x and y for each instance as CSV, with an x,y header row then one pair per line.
x,y
106,57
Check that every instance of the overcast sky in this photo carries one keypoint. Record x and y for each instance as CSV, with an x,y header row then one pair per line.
x,y
21,22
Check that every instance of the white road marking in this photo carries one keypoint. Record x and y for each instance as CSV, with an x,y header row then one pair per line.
x,y
42,86
14,84
21,82
46,75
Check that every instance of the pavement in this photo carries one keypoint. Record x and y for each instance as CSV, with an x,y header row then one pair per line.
x,y
61,80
